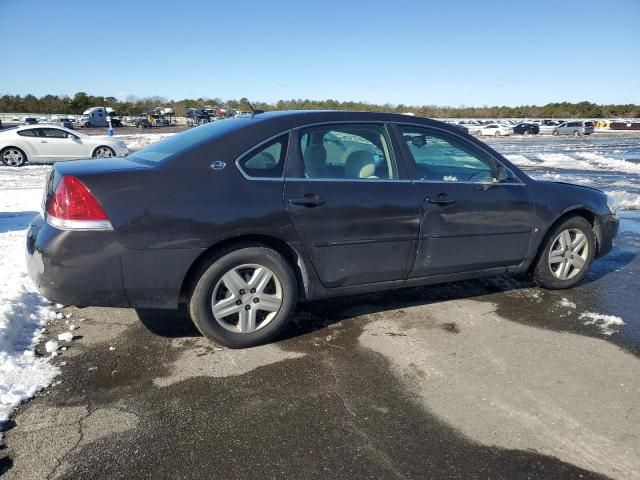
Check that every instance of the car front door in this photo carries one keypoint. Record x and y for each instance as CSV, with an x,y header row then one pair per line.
x,y
57,144
469,220
351,203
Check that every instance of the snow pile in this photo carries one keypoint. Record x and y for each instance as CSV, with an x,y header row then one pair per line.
x,y
521,160
584,161
566,303
606,163
23,311
606,323
625,200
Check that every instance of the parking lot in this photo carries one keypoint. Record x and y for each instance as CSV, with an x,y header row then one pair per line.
x,y
400,384
489,378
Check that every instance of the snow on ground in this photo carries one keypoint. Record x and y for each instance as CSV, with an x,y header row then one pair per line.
x,y
138,141
606,323
23,311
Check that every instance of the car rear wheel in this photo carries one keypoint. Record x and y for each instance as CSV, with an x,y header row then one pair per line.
x,y
13,157
103,152
497,134
567,255
576,133
244,297
526,132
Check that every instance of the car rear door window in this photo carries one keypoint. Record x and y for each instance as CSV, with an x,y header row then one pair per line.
x,y
441,157
347,151
266,161
27,133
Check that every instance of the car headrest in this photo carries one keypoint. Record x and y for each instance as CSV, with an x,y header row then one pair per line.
x,y
360,164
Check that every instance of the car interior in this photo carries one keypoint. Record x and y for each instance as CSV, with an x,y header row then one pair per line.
x,y
349,152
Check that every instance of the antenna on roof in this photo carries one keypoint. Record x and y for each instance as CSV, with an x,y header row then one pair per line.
x,y
254,112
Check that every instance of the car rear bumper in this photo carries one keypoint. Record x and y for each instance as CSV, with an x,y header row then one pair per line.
x,y
606,230
75,267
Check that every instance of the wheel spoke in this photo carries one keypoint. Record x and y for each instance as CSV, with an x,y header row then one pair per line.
x,y
247,320
565,239
226,307
269,303
578,262
563,271
234,282
260,279
579,242
555,256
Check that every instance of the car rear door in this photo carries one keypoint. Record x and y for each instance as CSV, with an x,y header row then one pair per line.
x,y
468,220
352,205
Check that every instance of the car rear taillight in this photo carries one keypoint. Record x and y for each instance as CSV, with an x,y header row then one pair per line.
x,y
73,207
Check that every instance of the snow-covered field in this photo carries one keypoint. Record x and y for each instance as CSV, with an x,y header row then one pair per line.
x,y
610,164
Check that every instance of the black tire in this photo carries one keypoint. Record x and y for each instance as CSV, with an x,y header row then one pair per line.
x,y
95,152
497,134
87,125
576,133
556,133
210,274
542,272
6,163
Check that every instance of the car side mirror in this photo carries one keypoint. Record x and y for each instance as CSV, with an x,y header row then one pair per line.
x,y
504,174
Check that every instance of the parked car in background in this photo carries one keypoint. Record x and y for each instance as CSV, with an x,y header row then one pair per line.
x,y
52,143
547,127
526,129
141,231
461,127
66,123
29,120
574,128
493,129
143,122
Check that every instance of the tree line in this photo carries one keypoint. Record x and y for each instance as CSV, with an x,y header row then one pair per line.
x,y
133,106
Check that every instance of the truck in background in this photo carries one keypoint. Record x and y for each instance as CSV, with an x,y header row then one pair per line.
x,y
97,117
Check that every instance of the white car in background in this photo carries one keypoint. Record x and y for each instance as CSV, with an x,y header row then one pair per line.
x,y
496,130
52,143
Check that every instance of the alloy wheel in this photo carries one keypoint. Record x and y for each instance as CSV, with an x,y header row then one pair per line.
x,y
12,157
104,152
568,254
246,298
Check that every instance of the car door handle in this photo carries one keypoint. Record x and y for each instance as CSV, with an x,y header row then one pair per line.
x,y
441,199
43,141
309,200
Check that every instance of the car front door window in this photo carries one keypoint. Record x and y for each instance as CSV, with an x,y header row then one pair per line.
x,y
444,158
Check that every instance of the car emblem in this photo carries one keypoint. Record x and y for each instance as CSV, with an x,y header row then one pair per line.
x,y
218,165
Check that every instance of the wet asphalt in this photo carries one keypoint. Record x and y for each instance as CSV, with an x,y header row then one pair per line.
x,y
143,395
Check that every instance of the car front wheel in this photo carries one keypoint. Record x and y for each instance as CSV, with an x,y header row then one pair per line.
x,y
567,255
244,297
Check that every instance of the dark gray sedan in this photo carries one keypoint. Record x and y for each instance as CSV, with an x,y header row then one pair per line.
x,y
243,217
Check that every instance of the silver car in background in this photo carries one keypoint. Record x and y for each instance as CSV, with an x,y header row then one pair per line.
x,y
574,128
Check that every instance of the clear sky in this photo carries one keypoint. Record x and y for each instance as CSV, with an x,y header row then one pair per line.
x,y
454,52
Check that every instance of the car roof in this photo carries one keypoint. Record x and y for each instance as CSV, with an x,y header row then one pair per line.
x,y
297,118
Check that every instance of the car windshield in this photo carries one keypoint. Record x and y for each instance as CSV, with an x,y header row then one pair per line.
x,y
161,151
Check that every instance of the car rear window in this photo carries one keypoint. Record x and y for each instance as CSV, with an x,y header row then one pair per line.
x,y
181,142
